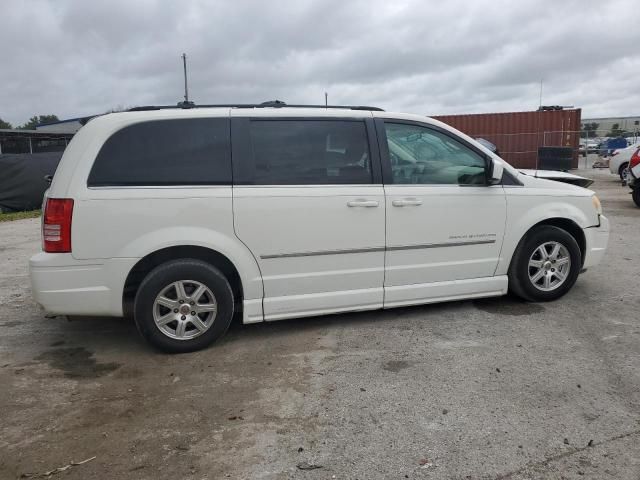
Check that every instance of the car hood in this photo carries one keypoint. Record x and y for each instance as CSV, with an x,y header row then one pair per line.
x,y
555,187
557,176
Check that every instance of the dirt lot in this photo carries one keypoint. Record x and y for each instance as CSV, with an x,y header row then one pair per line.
x,y
479,389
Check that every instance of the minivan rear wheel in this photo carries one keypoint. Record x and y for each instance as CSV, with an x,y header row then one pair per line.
x,y
183,305
545,265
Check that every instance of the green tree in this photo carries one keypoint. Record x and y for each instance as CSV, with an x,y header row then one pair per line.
x,y
5,125
39,120
590,129
616,131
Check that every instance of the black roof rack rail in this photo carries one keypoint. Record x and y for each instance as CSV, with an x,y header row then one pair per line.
x,y
269,104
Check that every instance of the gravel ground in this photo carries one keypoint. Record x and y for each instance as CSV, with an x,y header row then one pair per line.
x,y
494,389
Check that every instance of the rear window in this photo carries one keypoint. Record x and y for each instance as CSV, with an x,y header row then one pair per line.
x,y
193,151
310,152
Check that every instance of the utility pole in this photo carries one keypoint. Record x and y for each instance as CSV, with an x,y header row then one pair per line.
x,y
186,90
326,99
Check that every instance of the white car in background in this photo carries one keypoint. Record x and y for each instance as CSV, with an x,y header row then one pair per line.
x,y
619,160
590,146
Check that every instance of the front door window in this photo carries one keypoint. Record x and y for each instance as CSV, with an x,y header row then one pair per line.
x,y
423,156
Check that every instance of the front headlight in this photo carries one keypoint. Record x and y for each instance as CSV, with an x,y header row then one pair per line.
x,y
596,204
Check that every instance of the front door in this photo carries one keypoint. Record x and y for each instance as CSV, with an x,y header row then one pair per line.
x,y
445,224
309,204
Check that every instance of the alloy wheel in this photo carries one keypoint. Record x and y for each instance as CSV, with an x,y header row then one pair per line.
x,y
549,266
185,309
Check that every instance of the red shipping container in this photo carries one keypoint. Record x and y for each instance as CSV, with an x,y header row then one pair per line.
x,y
517,135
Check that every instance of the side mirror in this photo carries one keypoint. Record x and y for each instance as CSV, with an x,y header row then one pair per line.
x,y
496,172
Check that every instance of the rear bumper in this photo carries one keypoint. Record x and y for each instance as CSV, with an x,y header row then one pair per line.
x,y
65,286
597,239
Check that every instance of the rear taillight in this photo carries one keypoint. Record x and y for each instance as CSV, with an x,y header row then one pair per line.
x,y
635,159
56,225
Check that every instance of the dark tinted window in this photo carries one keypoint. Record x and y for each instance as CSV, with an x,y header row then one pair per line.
x,y
509,179
193,151
303,152
420,155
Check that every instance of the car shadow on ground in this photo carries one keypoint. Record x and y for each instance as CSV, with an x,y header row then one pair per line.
x,y
120,334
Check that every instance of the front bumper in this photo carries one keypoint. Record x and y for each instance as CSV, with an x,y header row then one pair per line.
x,y
65,286
597,238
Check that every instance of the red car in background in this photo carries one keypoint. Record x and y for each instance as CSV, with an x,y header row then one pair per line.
x,y
633,179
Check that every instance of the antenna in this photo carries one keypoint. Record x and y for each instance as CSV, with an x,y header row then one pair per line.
x,y
540,104
186,89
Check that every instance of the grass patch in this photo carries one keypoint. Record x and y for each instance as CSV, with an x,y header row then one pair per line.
x,y
10,216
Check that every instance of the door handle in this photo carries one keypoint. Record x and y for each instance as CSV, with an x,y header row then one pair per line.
x,y
361,202
407,202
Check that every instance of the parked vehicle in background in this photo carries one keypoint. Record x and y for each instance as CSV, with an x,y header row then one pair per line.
x,y
588,146
634,176
323,210
593,146
612,144
619,160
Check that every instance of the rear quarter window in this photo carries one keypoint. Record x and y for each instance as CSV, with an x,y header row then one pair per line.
x,y
193,151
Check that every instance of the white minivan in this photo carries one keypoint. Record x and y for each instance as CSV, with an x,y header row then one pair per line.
x,y
191,215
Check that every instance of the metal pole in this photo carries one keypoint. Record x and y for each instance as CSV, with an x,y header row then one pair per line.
x,y
30,146
184,65
586,147
326,99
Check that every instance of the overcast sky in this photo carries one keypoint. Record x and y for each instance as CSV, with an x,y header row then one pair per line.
x,y
75,58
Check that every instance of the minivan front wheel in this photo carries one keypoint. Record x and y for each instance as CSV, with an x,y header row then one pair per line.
x,y
545,265
183,305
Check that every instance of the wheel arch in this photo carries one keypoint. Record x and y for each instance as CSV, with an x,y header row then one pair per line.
x,y
622,166
158,257
568,225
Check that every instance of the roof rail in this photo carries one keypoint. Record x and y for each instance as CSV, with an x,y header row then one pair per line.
x,y
269,104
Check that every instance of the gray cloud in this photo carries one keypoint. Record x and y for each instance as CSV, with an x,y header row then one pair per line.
x,y
75,58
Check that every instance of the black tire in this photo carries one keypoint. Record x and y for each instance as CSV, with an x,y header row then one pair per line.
x,y
183,270
621,170
635,194
519,282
